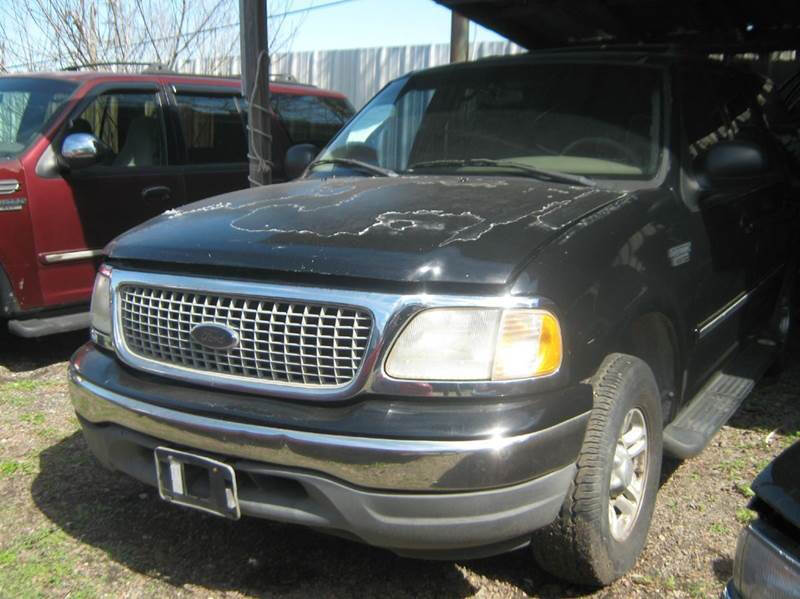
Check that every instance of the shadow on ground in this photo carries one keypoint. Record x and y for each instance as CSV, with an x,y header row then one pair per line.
x,y
775,404
22,355
128,522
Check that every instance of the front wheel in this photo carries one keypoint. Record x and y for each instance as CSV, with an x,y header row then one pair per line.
x,y
603,524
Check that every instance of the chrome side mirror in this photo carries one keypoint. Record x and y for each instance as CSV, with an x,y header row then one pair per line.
x,y
80,150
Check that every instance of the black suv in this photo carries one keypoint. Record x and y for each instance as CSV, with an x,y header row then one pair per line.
x,y
495,299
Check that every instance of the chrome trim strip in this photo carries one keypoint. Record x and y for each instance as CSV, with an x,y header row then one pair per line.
x,y
414,465
729,310
8,186
57,257
390,313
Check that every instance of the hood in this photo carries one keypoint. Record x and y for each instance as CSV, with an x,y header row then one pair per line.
x,y
404,229
779,486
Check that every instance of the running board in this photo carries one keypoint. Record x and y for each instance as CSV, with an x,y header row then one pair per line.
x,y
710,409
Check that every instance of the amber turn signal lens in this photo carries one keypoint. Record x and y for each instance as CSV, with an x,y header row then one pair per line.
x,y
528,345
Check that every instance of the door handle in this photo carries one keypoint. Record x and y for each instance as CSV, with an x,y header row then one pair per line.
x,y
156,193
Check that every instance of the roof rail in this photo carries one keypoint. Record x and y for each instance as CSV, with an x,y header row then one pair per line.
x,y
287,78
149,66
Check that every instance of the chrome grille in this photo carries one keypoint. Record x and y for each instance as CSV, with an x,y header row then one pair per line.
x,y
279,341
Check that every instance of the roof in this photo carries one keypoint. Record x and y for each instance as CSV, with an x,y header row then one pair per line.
x,y
659,56
710,24
94,77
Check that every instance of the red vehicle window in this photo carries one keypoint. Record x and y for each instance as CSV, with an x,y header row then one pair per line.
x,y
213,128
130,124
311,119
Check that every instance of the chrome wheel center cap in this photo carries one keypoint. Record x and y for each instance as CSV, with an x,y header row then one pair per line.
x,y
622,476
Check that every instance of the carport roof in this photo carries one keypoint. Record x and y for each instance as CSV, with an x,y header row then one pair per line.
x,y
723,24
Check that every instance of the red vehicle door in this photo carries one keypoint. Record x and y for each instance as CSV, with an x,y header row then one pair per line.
x,y
93,205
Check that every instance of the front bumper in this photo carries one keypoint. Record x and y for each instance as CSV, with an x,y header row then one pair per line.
x,y
429,498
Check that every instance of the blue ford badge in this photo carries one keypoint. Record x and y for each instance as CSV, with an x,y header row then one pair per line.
x,y
214,336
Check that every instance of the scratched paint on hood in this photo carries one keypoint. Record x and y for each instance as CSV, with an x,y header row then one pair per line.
x,y
455,229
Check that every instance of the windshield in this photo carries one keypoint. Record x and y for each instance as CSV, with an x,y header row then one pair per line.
x,y
600,120
26,106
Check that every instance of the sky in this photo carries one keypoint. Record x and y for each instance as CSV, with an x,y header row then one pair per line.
x,y
369,23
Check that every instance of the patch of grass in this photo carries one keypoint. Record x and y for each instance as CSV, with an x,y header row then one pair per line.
x,y
9,468
745,516
39,564
719,528
734,466
762,463
35,419
670,583
21,393
697,589
791,438
642,579
26,385
745,490
38,422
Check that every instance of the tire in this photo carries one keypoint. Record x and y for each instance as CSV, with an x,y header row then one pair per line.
x,y
783,324
581,546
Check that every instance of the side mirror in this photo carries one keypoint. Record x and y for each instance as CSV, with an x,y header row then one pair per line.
x,y
298,157
79,150
729,162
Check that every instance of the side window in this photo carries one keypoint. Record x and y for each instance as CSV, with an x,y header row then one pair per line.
x,y
130,124
704,112
720,106
213,128
311,119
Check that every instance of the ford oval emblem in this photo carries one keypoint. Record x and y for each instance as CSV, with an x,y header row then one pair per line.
x,y
214,336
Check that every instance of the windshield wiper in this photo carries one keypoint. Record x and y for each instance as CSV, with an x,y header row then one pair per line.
x,y
529,170
373,168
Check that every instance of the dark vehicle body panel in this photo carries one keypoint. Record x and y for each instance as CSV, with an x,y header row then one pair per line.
x,y
778,486
777,527
603,255
672,269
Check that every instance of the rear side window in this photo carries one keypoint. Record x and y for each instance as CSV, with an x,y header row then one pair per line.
x,y
311,119
213,128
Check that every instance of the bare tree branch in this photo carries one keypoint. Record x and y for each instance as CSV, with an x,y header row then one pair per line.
x,y
47,34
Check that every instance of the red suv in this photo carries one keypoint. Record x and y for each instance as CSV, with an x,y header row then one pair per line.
x,y
85,156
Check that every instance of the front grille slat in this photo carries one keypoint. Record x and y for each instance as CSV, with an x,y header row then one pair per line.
x,y
280,342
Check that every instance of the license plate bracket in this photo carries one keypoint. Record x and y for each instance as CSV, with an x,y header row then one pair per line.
x,y
197,481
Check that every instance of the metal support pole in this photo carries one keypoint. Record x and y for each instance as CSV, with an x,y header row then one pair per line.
x,y
255,88
459,38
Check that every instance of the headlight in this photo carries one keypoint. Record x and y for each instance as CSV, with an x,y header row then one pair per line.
x,y
767,564
476,344
101,301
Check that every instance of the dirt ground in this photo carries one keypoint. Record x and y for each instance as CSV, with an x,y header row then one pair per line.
x,y
71,529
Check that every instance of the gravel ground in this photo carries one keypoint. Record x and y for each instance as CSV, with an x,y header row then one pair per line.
x,y
70,529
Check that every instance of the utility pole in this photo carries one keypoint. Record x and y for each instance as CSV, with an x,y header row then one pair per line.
x,y
459,38
255,88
